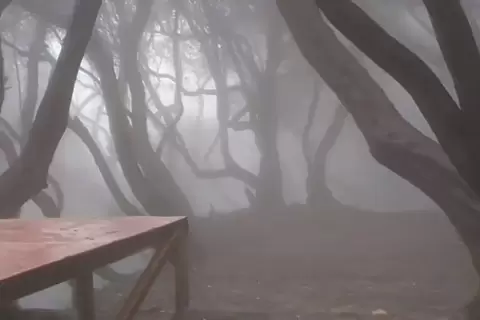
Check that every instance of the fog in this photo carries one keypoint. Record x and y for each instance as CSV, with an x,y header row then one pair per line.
x,y
230,137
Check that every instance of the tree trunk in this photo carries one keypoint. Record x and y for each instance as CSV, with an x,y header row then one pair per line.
x,y
319,195
42,200
210,45
3,5
117,113
457,42
82,132
269,192
28,175
29,105
393,141
454,126
175,201
121,129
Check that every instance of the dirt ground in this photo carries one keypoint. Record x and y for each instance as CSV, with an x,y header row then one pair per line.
x,y
298,265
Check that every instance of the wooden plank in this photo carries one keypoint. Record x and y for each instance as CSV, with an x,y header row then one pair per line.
x,y
39,254
84,297
146,280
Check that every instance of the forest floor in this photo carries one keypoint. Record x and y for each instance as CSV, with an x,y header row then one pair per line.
x,y
298,265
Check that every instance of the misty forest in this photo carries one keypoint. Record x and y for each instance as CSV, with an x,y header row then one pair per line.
x,y
326,153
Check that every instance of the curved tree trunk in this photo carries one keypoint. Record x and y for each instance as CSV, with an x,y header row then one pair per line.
x,y
175,201
393,142
82,132
455,126
46,204
133,158
118,118
319,195
28,175
121,129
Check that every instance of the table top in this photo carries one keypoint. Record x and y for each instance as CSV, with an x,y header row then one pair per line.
x,y
57,248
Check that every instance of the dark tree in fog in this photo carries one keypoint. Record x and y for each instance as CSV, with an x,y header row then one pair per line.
x,y
27,175
223,35
238,49
447,171
229,53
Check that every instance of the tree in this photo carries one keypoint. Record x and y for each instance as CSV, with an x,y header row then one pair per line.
x,y
230,54
27,175
447,171
237,51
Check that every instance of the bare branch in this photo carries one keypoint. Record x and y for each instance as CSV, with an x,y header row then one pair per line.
x,y
240,126
194,93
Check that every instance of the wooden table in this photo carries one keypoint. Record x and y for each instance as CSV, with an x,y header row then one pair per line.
x,y
35,255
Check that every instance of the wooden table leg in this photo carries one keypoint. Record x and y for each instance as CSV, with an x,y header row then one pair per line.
x,y
84,296
182,291
146,280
